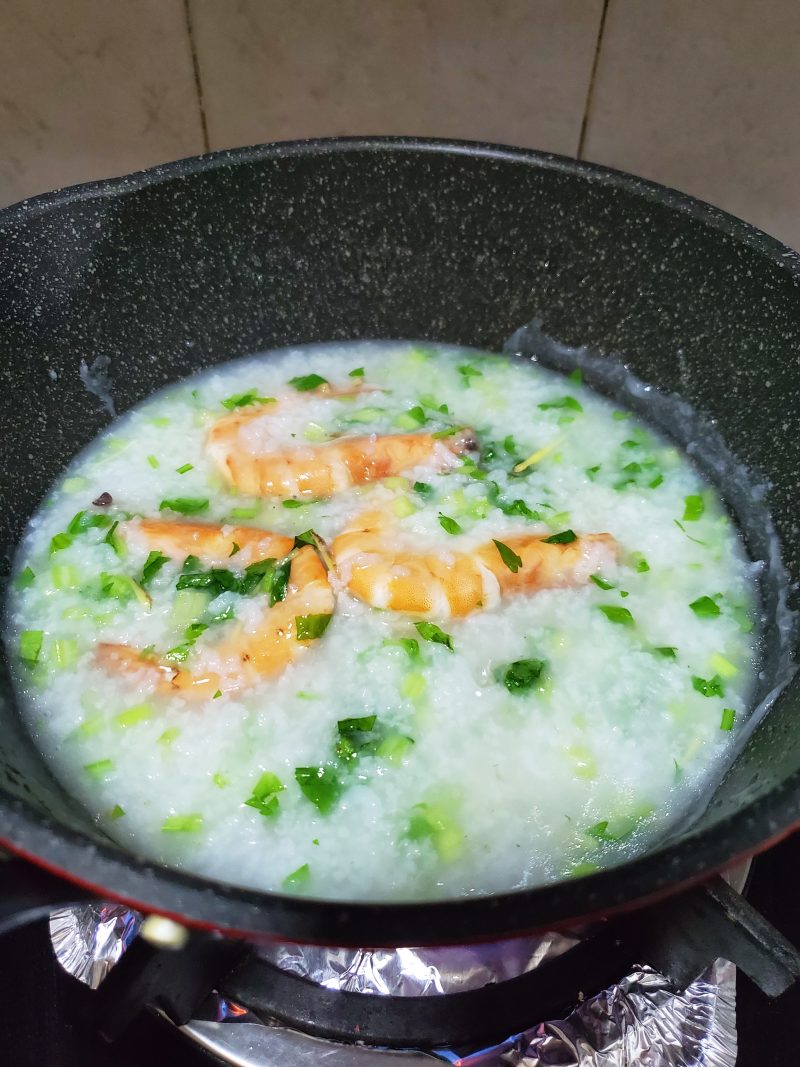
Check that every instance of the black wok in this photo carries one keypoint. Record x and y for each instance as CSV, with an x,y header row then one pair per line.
x,y
168,271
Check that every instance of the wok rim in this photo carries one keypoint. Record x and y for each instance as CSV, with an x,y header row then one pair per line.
x,y
109,872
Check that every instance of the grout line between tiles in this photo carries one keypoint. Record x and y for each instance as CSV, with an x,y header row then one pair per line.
x,y
197,82
592,78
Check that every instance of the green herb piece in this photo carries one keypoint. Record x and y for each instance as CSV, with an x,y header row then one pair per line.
x,y
308,537
152,565
694,506
467,372
221,781
508,556
264,797
222,616
410,646
576,376
217,695
169,735
516,507
243,400
433,823
639,563
359,725
184,468
194,630
722,666
66,652
709,687
600,581
449,525
185,505
449,432
153,462
705,608
728,717
357,372
620,416
297,878
116,812
600,832
182,824
25,578
429,631
618,615
592,472
30,645
306,382
234,549
310,627
423,488
279,582
60,542
667,651
659,478
522,675
418,415
86,520
568,402
99,768
510,445
320,785
394,747
113,539
138,713
245,513
566,537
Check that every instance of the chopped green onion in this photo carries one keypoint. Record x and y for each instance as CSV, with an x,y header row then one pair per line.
x,y
600,832
221,781
234,549
60,542
410,646
320,785
566,537
99,768
592,472
25,578
413,685
152,565
153,462
357,372
705,608
138,713
694,506
403,507
264,797
185,468
568,402
113,539
169,735
639,563
449,432
246,513
30,645
522,675
184,505
217,695
394,747
429,631
66,652
620,416
722,666
508,556
709,687
449,525
467,372
576,376
243,400
667,651
306,382
418,415
310,627
432,822
296,503
620,616
297,878
423,488
728,717
182,824
360,725
65,576
116,812
600,581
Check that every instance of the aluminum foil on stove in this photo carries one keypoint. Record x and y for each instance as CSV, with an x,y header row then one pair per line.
x,y
639,1022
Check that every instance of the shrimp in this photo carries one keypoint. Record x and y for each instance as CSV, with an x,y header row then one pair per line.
x,y
244,657
325,469
213,545
454,584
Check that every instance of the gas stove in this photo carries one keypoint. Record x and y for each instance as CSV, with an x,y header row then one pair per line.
x,y
50,1018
